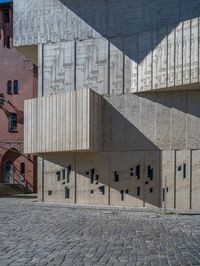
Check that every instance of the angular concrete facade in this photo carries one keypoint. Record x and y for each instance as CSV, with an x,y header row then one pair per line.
x,y
142,60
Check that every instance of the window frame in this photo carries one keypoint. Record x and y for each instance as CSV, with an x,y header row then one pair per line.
x,y
12,122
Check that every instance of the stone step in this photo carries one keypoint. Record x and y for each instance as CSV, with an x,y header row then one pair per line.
x,y
9,189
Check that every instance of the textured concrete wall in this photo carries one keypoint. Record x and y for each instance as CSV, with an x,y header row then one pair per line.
x,y
119,48
102,187
113,46
63,122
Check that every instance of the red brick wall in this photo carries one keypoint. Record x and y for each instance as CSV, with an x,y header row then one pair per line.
x,y
14,66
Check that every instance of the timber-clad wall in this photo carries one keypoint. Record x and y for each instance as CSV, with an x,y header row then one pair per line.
x,y
62,122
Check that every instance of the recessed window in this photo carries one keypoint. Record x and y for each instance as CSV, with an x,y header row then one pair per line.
x,y
137,171
138,191
127,191
6,16
58,176
92,171
150,172
68,173
91,191
22,168
8,42
116,177
151,190
184,170
9,87
179,168
49,192
12,122
16,87
102,189
63,174
67,193
122,195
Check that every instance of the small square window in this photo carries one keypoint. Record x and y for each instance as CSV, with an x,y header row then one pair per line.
x,y
91,191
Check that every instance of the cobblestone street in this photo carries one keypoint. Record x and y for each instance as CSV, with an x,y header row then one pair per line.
x,y
36,234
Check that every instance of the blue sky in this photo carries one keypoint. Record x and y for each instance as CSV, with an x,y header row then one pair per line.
x,y
5,1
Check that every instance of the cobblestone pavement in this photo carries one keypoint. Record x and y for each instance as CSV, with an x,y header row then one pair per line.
x,y
36,234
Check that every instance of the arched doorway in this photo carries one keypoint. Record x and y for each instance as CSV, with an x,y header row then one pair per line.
x,y
8,172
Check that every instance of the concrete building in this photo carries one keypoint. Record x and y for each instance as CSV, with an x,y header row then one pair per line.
x,y
117,120
18,82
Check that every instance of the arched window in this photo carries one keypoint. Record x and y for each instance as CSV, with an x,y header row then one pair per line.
x,y
9,87
16,87
12,122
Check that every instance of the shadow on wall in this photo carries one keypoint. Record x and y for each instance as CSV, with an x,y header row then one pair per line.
x,y
130,25
128,166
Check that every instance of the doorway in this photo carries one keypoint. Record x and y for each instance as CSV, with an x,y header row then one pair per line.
x,y
8,172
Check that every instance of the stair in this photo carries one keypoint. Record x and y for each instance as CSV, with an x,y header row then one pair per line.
x,y
7,190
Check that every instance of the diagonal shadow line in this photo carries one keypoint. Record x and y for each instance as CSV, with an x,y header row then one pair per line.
x,y
122,23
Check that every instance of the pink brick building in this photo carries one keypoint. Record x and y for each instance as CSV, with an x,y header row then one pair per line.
x,y
18,81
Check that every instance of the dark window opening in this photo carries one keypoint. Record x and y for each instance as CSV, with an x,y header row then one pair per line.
x,y
151,190
87,173
91,191
58,176
137,171
179,168
67,193
150,172
22,168
116,177
138,191
68,173
12,122
122,195
63,183
9,87
16,87
127,191
92,171
8,42
49,192
184,170
97,177
6,16
163,195
63,174
102,189
131,172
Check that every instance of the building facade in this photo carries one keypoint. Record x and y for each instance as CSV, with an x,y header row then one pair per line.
x,y
117,120
18,82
